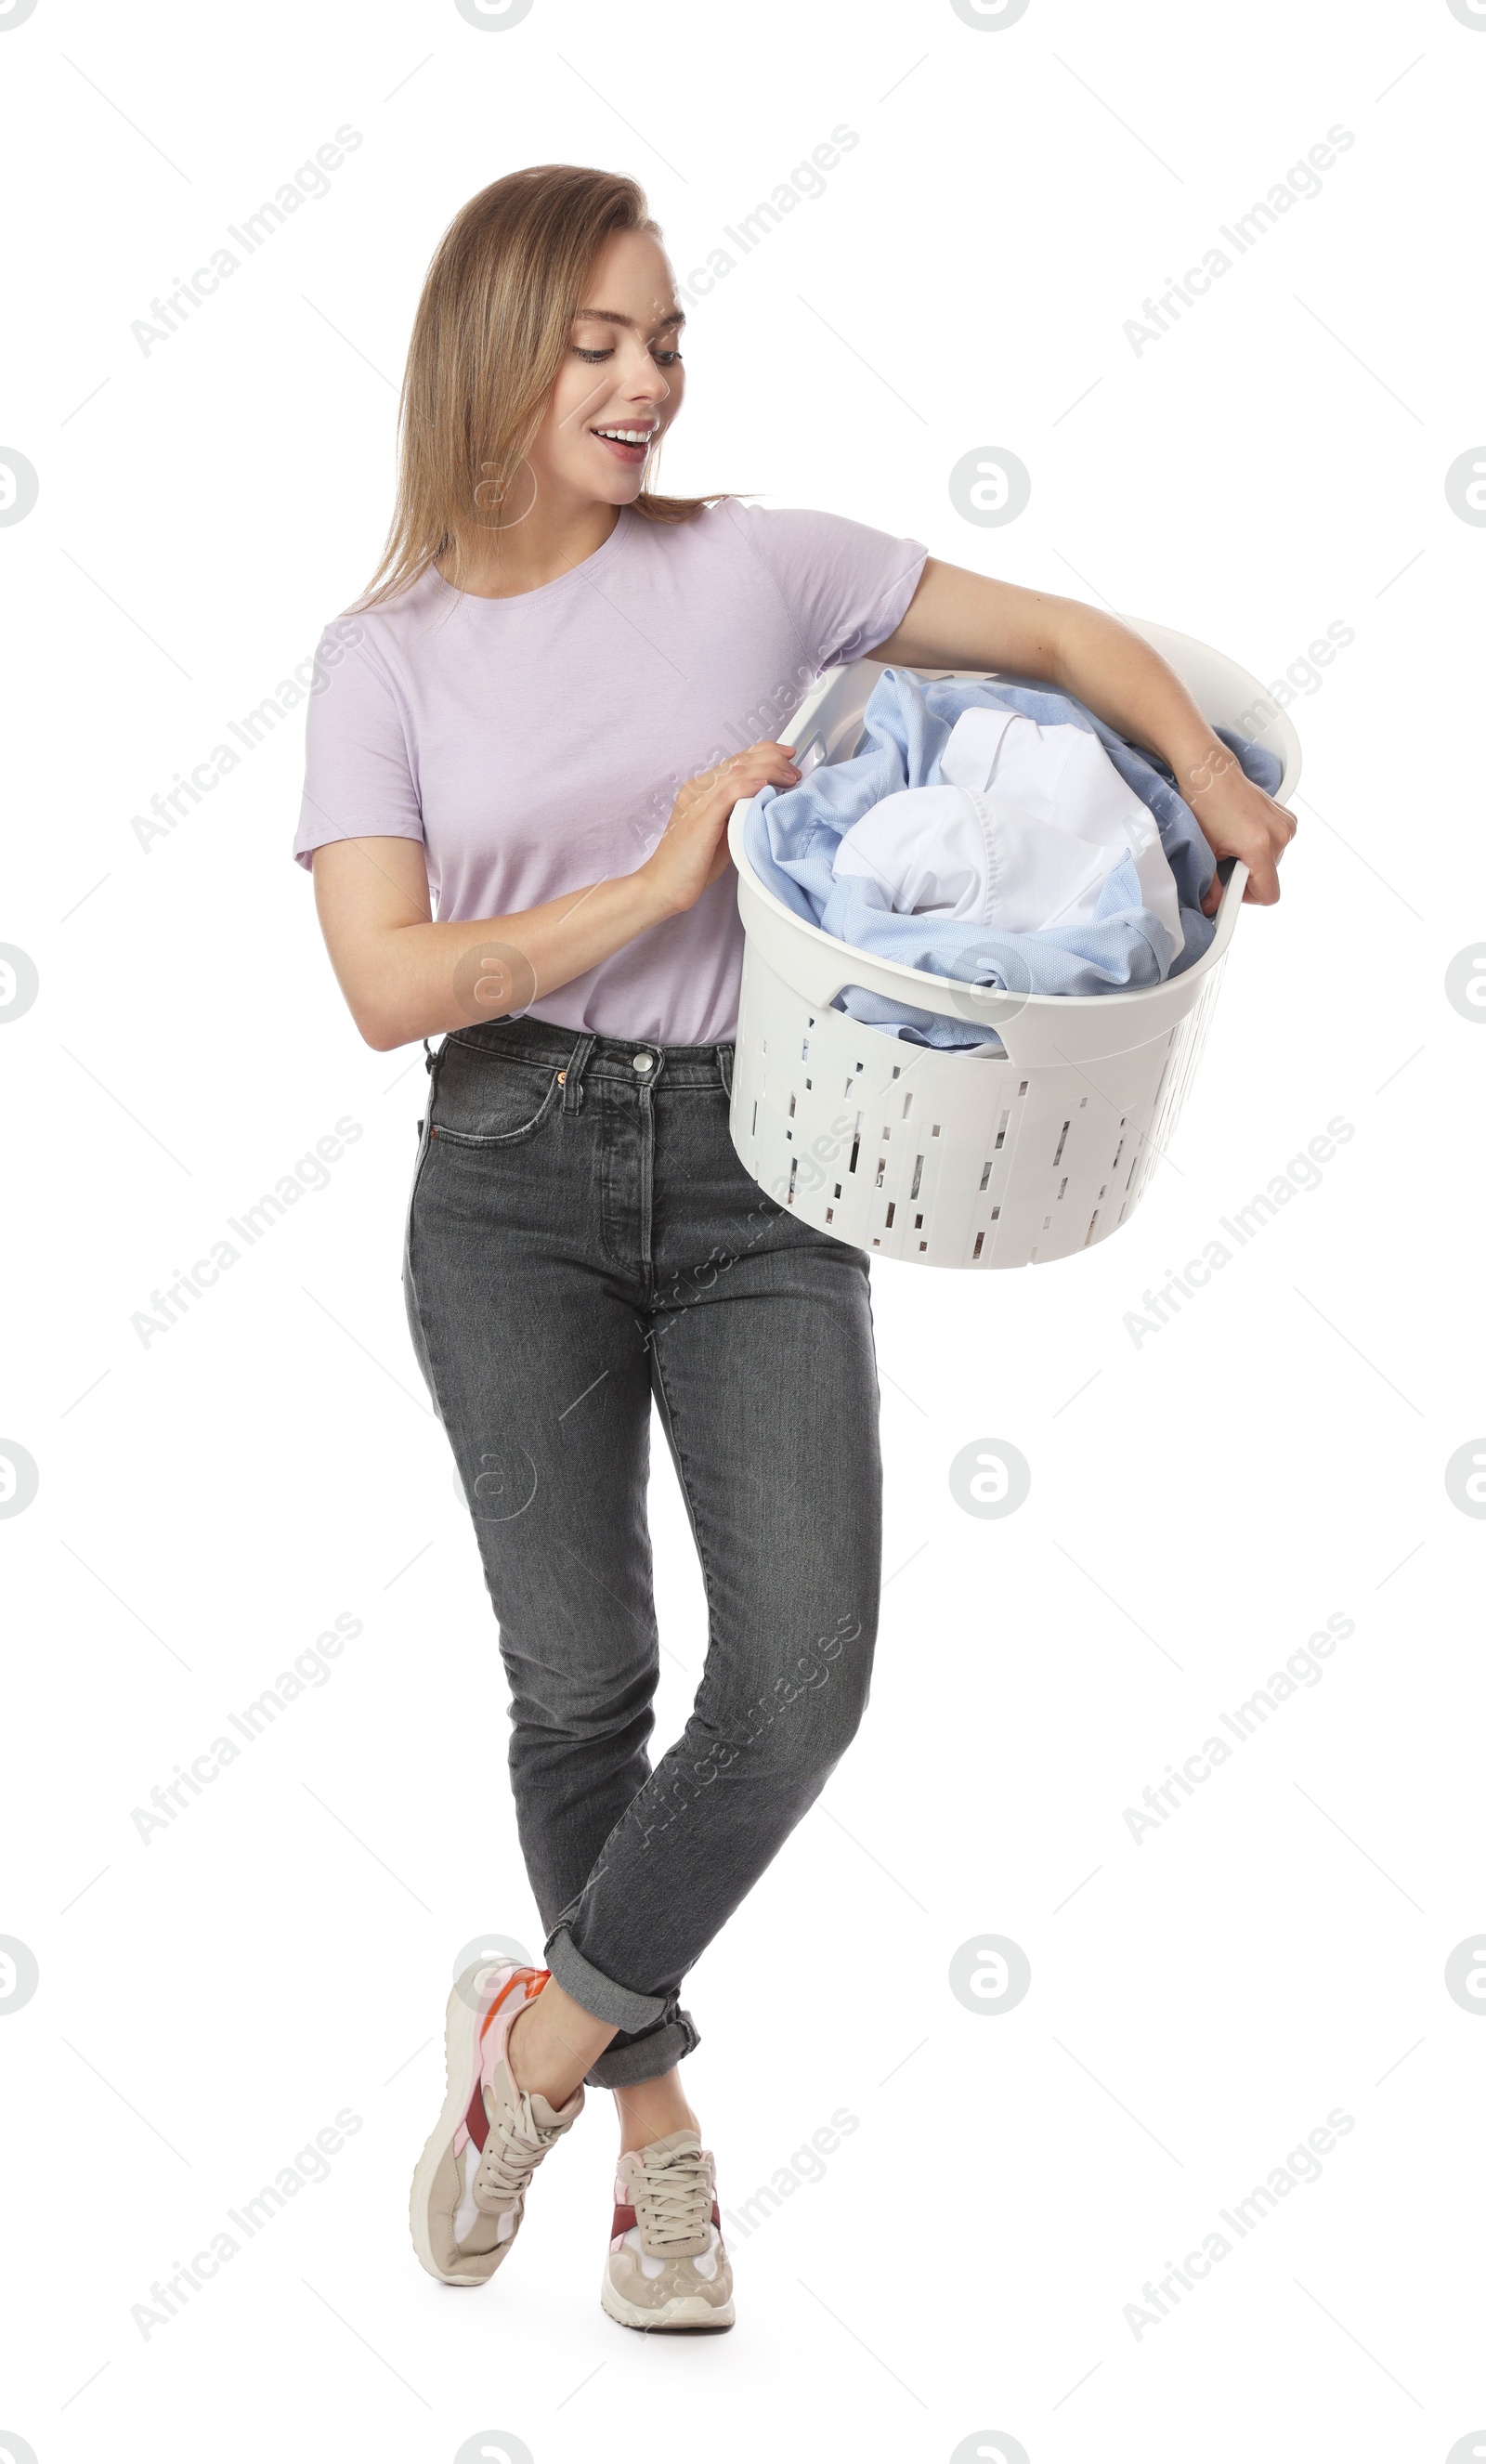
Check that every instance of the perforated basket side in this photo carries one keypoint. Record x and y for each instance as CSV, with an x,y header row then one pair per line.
x,y
1189,1040
941,1158
951,1159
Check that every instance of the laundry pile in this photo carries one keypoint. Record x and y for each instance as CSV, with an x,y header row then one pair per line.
x,y
996,834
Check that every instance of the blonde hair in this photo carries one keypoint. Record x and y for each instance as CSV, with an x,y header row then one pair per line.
x,y
488,342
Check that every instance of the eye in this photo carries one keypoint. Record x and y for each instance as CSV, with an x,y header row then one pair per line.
x,y
593,355
666,359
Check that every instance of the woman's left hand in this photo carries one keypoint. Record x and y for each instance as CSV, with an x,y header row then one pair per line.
x,y
958,619
1238,819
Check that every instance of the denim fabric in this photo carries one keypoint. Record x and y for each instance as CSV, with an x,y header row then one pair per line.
x,y
582,1237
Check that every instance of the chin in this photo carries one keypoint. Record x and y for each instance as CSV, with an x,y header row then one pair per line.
x,y
608,482
623,488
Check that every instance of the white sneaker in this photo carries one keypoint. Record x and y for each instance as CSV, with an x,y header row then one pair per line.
x,y
666,2266
469,2188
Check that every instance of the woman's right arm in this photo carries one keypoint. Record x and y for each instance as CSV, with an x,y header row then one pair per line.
x,y
405,977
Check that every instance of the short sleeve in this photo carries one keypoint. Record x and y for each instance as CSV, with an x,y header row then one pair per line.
x,y
846,585
358,775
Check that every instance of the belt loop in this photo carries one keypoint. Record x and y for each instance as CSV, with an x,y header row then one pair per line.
x,y
573,1074
724,1068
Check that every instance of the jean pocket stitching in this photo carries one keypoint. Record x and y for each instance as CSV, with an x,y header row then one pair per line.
x,y
503,1137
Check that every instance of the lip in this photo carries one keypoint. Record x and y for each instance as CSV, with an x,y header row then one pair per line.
x,y
631,454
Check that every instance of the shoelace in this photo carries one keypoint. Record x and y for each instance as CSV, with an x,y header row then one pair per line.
x,y
514,2148
673,2199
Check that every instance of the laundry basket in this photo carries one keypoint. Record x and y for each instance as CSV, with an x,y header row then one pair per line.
x,y
964,1158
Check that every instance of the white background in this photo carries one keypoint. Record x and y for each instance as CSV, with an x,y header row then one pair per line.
x,y
1200,1504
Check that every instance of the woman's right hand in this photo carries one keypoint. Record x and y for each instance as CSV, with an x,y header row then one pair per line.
x,y
404,976
691,852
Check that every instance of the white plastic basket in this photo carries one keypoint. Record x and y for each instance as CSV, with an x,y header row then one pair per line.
x,y
965,1159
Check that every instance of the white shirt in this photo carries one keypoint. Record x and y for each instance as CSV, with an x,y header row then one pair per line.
x,y
1024,834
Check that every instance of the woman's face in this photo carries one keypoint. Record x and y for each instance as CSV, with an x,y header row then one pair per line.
x,y
621,373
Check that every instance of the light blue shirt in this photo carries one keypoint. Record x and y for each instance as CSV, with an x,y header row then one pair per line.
x,y
792,837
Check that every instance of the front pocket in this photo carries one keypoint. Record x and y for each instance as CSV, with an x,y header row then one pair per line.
x,y
487,1099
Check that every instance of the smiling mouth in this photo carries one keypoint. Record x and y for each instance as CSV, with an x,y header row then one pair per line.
x,y
630,436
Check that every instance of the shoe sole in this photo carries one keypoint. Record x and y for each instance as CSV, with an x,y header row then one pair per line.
x,y
461,2038
686,2314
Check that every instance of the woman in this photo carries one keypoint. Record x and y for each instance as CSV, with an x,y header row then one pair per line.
x,y
540,705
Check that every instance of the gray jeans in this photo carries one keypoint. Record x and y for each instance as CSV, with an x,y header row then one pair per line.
x,y
580,1237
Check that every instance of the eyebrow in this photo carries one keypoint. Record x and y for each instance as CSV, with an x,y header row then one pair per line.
x,y
612,316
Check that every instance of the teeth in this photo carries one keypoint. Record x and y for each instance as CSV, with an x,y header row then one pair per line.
x,y
626,435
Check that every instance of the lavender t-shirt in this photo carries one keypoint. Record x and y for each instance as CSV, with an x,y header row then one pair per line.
x,y
537,743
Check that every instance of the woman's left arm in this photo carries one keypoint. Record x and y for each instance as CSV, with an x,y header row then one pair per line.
x,y
958,619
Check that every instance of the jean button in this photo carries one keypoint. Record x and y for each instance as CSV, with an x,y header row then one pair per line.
x,y
644,1063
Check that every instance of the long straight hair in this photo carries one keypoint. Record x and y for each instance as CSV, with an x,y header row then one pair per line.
x,y
488,343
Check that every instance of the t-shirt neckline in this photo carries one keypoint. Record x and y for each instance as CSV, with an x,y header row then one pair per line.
x,y
543,590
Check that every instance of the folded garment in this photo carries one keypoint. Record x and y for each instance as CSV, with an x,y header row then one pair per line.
x,y
998,834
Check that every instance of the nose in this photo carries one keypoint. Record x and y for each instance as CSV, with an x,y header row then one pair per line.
x,y
645,383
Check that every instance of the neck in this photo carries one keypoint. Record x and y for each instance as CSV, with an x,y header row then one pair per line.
x,y
553,538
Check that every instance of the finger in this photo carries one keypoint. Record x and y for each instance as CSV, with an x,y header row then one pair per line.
x,y
765,757
765,750
756,774
747,782
1262,888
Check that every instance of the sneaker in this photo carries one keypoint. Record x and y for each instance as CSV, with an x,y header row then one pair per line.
x,y
667,2267
470,2187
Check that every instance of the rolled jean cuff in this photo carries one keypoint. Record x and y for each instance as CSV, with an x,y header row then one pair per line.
x,y
599,1993
626,2062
